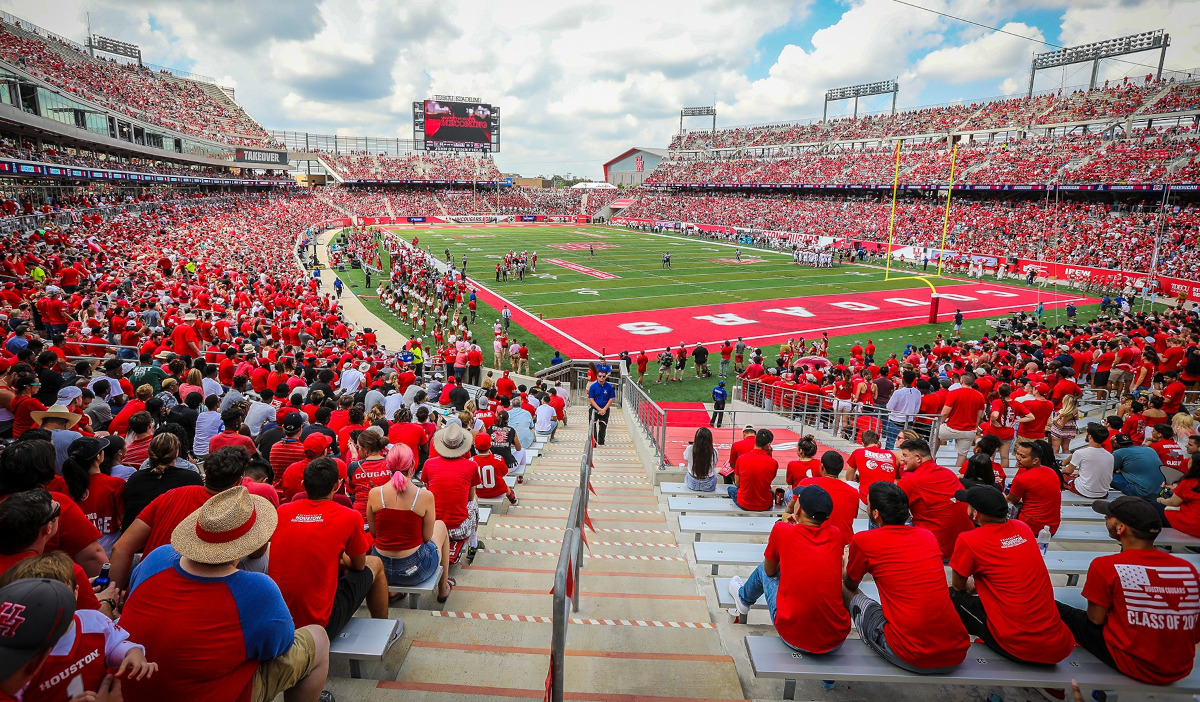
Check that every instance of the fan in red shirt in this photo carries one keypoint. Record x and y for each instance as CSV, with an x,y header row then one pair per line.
x,y
806,465
492,470
914,625
930,489
870,464
1172,455
1153,644
1037,487
738,449
753,475
97,494
1040,408
451,476
845,497
804,559
961,416
1013,608
312,536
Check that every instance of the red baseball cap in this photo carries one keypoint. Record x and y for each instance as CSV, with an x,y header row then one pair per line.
x,y
317,443
483,442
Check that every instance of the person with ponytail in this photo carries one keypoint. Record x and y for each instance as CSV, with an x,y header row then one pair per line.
x,y
97,494
409,538
370,470
160,475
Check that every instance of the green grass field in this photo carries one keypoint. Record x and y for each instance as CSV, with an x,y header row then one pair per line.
x,y
556,292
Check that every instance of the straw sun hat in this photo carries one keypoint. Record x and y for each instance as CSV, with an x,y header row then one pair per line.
x,y
231,525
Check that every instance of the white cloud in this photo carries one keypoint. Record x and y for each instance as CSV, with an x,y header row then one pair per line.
x,y
578,81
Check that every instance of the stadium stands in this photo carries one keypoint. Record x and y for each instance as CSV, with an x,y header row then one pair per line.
x,y
187,106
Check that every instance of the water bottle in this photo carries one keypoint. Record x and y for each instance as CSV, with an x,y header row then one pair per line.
x,y
101,582
1044,539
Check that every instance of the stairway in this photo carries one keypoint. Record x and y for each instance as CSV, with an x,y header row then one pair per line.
x,y
643,631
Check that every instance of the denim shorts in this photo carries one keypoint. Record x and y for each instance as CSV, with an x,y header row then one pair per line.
x,y
425,559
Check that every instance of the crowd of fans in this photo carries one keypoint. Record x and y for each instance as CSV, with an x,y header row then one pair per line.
x,y
183,105
1084,233
1109,101
1143,157
1011,407
427,166
174,384
510,200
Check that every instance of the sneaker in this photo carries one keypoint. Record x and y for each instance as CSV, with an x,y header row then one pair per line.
x,y
472,550
735,588
327,696
513,499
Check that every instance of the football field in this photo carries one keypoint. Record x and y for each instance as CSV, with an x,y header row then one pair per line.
x,y
603,289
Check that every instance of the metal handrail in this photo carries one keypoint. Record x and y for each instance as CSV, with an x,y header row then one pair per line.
x,y
649,416
570,559
826,413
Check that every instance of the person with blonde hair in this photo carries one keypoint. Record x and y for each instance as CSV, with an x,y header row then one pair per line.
x,y
1185,427
1063,428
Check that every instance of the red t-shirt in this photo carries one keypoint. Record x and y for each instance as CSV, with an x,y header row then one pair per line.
x,y
845,503
1015,590
1151,630
965,405
306,549
231,438
102,503
740,448
167,510
75,531
1040,492
370,473
872,464
450,480
930,489
284,453
1036,427
407,433
809,613
906,562
755,472
1172,455
492,470
85,596
800,470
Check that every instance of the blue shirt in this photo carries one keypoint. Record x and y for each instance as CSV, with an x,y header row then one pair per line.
x,y
719,394
601,393
556,360
1142,469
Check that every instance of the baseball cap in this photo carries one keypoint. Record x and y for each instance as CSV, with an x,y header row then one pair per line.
x,y
483,442
1131,511
815,502
294,421
1122,441
316,443
985,499
1042,388
67,394
39,611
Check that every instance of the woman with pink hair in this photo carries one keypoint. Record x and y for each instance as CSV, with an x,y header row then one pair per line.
x,y
409,538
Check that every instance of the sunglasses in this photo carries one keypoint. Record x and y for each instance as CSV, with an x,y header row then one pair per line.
x,y
55,513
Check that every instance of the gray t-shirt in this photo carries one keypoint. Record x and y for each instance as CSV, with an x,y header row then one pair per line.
x,y
1095,467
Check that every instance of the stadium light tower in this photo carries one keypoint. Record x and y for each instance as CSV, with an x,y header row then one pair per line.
x,y
854,92
1094,52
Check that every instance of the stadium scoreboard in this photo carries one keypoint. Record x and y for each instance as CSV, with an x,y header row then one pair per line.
x,y
455,123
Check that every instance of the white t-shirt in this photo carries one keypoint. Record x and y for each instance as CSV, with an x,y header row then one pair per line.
x,y
1095,467
546,416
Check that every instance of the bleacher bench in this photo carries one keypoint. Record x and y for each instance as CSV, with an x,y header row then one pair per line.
x,y
1072,596
745,526
499,505
1075,563
414,592
707,505
682,490
770,657
1098,534
364,640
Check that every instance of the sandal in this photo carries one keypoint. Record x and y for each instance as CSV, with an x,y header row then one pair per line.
x,y
452,583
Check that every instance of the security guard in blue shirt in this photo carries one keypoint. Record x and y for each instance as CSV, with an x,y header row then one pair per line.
x,y
600,398
719,396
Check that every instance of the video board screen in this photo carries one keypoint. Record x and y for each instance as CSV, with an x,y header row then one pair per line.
x,y
460,126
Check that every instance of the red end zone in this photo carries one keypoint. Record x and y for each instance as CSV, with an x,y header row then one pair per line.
x,y
774,321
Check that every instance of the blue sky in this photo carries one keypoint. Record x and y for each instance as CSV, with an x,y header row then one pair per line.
x,y
580,81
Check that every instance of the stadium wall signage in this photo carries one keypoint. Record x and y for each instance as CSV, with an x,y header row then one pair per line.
x,y
19,169
275,158
1038,187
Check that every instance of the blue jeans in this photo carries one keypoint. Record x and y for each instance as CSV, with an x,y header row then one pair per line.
x,y
890,431
760,584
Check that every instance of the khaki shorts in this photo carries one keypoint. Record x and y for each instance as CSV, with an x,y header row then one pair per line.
x,y
963,439
283,673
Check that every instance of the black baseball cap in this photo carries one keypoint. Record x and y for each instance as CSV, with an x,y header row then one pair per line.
x,y
1131,511
293,422
34,614
815,502
1122,441
985,499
